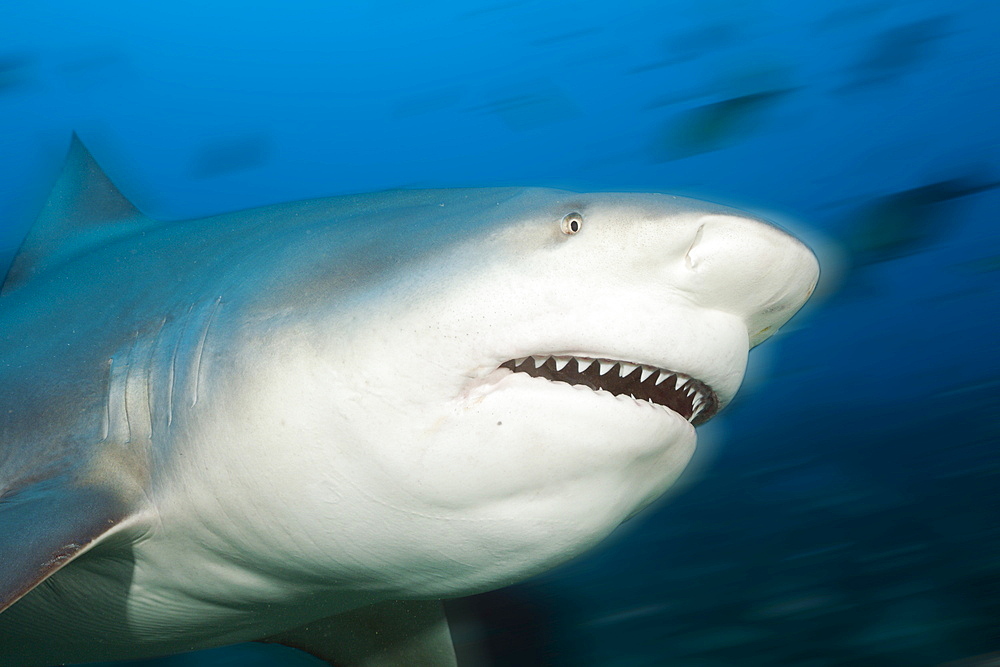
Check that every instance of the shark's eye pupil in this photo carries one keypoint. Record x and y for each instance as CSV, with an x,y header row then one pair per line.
x,y
572,223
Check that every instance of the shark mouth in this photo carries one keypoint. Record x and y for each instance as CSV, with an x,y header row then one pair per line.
x,y
688,397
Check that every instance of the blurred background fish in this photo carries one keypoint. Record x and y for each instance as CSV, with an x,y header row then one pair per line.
x,y
844,509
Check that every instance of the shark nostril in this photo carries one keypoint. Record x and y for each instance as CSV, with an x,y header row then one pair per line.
x,y
688,259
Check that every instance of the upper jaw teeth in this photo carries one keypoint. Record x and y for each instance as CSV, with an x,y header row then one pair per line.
x,y
683,394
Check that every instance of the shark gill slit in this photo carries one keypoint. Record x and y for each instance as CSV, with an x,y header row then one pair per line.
x,y
172,373
149,374
106,426
201,351
118,426
128,374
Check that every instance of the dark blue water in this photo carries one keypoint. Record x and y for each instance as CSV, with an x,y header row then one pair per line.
x,y
843,510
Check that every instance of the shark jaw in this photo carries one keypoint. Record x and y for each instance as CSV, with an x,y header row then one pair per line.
x,y
670,390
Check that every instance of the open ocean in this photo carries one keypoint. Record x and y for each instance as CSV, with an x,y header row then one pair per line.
x,y
844,510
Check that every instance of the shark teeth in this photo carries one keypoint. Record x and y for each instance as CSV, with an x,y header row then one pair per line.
x,y
683,394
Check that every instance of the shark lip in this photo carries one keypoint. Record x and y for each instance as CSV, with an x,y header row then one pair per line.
x,y
692,399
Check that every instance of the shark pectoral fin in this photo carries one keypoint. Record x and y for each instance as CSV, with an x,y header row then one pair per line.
x,y
408,633
45,525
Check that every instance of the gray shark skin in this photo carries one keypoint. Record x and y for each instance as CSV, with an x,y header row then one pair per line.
x,y
308,423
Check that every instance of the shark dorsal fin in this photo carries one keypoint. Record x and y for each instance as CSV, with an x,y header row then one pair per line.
x,y
83,203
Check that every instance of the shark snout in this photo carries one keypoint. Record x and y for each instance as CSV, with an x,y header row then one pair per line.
x,y
750,268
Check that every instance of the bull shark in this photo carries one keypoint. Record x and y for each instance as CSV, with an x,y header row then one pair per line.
x,y
308,423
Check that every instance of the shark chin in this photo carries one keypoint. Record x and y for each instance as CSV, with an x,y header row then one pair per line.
x,y
306,423
580,439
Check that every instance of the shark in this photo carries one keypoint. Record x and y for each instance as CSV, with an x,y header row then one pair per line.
x,y
309,423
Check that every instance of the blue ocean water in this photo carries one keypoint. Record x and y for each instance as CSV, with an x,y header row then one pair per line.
x,y
843,511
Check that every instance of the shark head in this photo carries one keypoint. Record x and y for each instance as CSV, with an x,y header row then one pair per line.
x,y
479,385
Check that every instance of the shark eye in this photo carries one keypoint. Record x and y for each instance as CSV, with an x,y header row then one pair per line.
x,y
572,223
